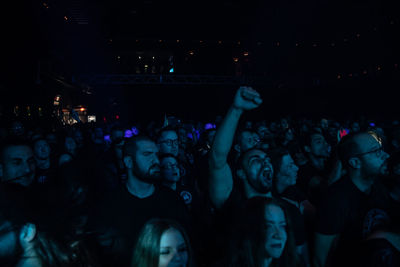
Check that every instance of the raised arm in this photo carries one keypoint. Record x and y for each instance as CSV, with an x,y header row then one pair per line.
x,y
221,181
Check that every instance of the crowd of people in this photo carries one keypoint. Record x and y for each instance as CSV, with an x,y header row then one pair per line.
x,y
232,192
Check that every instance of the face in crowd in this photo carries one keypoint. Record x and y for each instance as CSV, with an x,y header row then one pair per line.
x,y
371,155
173,249
318,146
168,143
257,170
287,174
170,169
146,165
41,149
247,141
18,165
276,233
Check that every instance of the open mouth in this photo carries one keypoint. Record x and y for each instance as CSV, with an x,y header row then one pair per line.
x,y
277,246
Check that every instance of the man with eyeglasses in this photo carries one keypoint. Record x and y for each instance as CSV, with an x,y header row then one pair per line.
x,y
356,205
167,141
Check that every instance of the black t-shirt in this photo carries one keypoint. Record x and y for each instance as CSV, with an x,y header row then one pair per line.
x,y
353,215
378,253
123,215
306,175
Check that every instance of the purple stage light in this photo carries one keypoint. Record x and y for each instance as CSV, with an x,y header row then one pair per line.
x,y
208,126
135,131
128,134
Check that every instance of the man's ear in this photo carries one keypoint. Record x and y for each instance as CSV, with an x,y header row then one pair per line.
x,y
27,234
240,173
237,148
307,149
128,162
354,162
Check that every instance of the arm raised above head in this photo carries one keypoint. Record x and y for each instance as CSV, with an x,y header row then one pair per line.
x,y
221,181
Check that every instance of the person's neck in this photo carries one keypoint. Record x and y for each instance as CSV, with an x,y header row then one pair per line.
x,y
139,188
362,183
267,262
280,187
43,164
171,185
250,192
317,162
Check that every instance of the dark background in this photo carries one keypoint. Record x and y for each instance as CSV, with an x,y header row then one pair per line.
x,y
337,58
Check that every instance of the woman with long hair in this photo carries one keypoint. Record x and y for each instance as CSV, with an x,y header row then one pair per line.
x,y
162,243
263,238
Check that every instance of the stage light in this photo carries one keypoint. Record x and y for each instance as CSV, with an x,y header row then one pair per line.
x,y
177,41
171,70
117,117
191,53
65,18
235,59
82,109
245,54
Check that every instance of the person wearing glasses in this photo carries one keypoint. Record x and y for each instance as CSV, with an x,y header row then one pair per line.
x,y
356,205
168,142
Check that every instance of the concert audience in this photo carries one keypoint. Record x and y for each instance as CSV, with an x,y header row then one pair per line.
x,y
231,192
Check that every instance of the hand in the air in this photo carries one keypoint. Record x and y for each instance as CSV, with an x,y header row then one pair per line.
x,y
246,98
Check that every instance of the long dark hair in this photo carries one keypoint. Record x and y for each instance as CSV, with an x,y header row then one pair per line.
x,y
147,249
248,248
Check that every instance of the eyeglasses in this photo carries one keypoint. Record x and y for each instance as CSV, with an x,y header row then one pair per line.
x,y
378,152
170,142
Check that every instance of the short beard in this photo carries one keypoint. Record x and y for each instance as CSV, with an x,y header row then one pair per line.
x,y
146,177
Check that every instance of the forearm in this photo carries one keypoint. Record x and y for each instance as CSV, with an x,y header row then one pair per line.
x,y
225,134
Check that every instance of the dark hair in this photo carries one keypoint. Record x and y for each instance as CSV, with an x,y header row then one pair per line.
x,y
347,147
147,248
249,248
130,145
54,243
